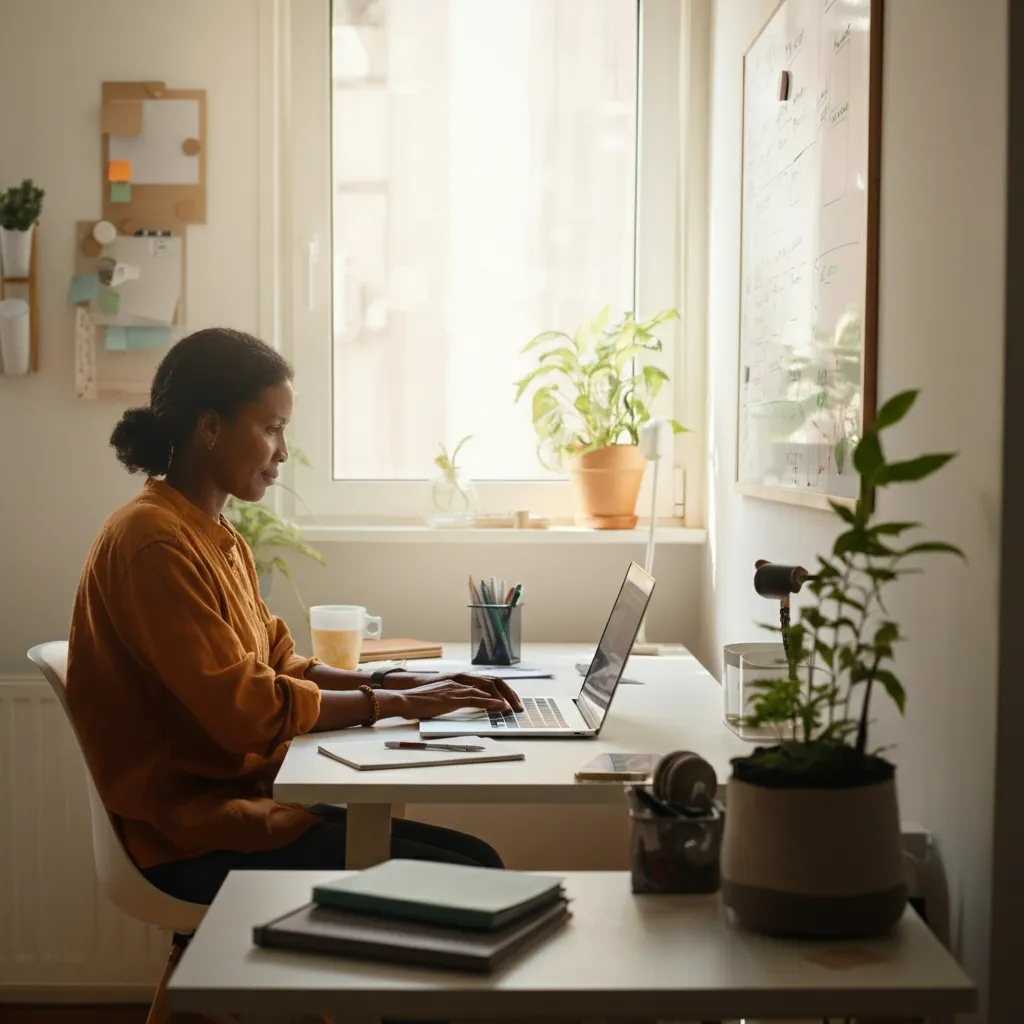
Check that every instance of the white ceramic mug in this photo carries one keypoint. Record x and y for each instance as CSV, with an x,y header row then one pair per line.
x,y
338,631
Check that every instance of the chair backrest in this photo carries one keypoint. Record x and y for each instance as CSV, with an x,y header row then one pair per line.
x,y
122,882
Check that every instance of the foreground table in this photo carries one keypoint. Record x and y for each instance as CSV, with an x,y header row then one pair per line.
x,y
679,707
667,957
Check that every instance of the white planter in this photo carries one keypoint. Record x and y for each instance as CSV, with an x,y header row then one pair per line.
x,y
15,346
15,252
266,582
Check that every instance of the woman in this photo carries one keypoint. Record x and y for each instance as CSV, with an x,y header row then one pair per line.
x,y
184,688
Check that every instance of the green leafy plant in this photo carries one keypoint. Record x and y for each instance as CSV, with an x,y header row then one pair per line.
x,y
451,482
267,534
590,389
21,206
842,649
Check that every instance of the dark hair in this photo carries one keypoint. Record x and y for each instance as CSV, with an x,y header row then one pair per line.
x,y
216,369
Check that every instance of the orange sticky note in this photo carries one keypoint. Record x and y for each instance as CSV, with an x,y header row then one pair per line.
x,y
120,170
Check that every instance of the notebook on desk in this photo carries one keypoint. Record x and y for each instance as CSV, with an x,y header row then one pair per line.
x,y
398,649
372,755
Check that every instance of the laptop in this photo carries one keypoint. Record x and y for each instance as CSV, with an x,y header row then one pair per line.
x,y
559,717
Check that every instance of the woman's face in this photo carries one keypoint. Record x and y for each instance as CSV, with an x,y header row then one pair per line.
x,y
248,449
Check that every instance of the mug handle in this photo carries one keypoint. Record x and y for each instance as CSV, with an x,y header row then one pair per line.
x,y
373,627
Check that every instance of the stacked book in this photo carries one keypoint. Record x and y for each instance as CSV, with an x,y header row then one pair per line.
x,y
425,913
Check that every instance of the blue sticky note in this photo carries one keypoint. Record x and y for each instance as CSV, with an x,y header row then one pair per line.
x,y
83,288
148,337
117,339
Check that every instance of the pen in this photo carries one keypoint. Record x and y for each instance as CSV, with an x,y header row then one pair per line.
x,y
409,745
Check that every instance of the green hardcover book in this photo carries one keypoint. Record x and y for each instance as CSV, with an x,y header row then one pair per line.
x,y
477,899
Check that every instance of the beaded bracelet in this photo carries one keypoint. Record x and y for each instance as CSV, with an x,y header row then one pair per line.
x,y
374,705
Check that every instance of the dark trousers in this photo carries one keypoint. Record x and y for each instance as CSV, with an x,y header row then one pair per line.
x,y
322,847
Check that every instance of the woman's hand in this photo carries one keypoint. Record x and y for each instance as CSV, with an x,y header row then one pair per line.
x,y
493,687
438,697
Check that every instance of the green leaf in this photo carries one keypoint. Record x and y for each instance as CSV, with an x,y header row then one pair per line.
x,y
843,512
567,359
826,653
541,371
867,456
933,546
893,528
887,633
678,428
654,377
893,687
912,469
659,318
544,336
894,410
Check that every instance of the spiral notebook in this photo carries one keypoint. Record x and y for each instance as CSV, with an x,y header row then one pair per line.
x,y
372,755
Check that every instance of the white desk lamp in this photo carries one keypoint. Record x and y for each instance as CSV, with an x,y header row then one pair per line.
x,y
652,445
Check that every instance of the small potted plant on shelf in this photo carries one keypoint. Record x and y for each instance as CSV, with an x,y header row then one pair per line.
x,y
591,395
452,494
264,531
20,208
812,840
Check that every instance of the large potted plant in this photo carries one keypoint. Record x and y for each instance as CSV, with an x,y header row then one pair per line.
x,y
591,394
812,839
20,208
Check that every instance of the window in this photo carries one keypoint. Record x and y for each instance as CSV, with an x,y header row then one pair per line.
x,y
461,175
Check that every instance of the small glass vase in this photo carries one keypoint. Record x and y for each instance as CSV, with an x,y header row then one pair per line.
x,y
452,500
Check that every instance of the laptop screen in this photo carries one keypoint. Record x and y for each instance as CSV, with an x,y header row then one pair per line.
x,y
616,643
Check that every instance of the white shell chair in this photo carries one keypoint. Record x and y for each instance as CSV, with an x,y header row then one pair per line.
x,y
122,882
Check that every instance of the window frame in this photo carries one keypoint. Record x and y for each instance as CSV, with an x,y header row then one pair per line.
x,y
297,277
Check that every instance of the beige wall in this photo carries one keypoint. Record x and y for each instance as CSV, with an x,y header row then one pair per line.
x,y
59,477
940,329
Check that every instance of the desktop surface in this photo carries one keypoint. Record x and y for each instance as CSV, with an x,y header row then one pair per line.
x,y
679,707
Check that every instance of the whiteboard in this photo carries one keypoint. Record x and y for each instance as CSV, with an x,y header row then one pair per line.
x,y
808,279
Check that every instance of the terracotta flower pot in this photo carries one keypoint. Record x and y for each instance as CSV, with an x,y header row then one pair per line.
x,y
814,862
607,484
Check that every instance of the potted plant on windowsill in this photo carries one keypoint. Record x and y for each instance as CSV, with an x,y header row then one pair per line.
x,y
591,395
20,208
812,839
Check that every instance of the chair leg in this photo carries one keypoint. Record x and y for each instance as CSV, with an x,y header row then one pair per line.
x,y
158,1008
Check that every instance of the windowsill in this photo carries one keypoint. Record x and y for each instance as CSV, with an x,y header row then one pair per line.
x,y
418,533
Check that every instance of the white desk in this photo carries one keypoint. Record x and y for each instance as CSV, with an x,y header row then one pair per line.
x,y
655,957
679,707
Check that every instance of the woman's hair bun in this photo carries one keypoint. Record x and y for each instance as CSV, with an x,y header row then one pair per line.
x,y
141,443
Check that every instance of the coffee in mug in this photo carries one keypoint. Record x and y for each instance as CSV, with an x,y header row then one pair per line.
x,y
338,631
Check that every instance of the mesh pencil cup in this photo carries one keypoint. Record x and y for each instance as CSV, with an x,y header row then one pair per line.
x,y
494,633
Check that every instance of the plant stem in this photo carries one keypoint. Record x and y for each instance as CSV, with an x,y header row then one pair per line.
x,y
862,728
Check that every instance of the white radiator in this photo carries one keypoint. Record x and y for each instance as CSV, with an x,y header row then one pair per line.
x,y
59,936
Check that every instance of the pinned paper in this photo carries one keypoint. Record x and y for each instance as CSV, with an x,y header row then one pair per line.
x,y
117,340
156,153
120,170
122,117
120,192
123,339
110,302
114,274
83,288
148,337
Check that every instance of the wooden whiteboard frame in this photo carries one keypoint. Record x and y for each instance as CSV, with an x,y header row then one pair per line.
x,y
869,352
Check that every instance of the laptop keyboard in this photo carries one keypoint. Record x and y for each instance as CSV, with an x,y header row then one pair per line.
x,y
537,713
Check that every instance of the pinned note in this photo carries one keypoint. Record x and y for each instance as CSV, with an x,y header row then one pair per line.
x,y
119,170
110,302
83,288
116,340
148,337
120,192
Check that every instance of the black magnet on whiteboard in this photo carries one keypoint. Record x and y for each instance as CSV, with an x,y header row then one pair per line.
x,y
746,374
784,80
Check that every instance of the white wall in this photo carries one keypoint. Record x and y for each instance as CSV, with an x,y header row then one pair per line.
x,y
940,329
59,477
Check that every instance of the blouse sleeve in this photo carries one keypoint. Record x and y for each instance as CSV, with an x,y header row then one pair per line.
x,y
169,616
283,658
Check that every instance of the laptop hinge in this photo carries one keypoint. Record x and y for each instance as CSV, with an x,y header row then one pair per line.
x,y
588,716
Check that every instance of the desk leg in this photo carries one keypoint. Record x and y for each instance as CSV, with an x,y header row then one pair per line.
x,y
367,835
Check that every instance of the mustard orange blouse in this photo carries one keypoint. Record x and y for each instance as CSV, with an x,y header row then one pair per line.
x,y
184,688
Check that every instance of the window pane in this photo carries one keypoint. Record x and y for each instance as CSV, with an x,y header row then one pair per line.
x,y
484,175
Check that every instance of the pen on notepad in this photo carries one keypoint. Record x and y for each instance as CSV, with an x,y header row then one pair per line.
x,y
408,745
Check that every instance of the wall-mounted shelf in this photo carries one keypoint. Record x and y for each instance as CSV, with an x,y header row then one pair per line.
x,y
32,284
